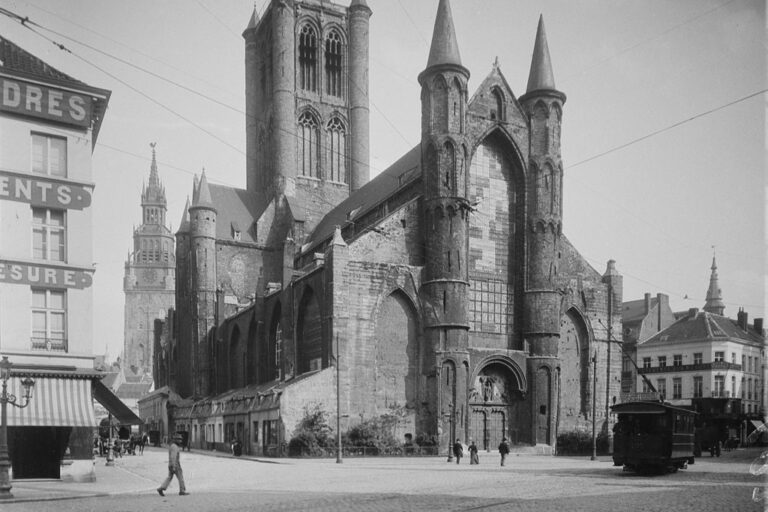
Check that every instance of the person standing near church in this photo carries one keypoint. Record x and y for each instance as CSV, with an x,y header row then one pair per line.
x,y
503,450
473,456
458,450
174,468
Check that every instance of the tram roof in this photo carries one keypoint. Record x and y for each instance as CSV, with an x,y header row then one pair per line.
x,y
648,408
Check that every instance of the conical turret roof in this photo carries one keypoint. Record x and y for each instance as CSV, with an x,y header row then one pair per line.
x,y
445,48
203,198
714,302
541,76
254,19
184,224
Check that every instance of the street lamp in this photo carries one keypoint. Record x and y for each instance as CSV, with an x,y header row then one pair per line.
x,y
7,398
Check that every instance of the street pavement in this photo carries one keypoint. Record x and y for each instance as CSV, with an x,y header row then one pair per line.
x,y
528,482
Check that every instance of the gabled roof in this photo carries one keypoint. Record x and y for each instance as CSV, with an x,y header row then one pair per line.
x,y
14,58
703,327
129,390
19,62
634,310
234,206
399,174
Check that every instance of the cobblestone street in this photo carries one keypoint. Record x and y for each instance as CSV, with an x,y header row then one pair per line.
x,y
394,484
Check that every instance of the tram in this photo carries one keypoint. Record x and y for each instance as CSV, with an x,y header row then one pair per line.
x,y
653,436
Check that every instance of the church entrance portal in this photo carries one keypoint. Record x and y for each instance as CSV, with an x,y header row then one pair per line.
x,y
493,400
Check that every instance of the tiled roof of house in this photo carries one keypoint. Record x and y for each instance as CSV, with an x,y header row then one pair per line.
x,y
634,310
15,58
703,326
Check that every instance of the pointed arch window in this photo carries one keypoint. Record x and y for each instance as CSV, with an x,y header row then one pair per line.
x,y
337,150
497,113
333,64
308,144
308,58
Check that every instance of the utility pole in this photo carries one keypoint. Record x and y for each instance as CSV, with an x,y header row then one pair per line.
x,y
608,369
338,404
594,406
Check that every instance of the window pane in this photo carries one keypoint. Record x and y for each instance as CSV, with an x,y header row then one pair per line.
x,y
38,215
56,300
58,157
57,218
38,154
38,244
57,322
38,298
57,245
38,322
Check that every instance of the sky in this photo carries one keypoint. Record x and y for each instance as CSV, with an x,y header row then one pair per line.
x,y
663,135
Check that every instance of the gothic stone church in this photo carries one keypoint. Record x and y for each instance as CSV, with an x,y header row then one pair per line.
x,y
444,288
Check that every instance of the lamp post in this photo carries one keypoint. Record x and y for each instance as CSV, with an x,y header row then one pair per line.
x,y
339,459
5,399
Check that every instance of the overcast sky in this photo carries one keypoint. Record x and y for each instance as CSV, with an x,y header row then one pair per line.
x,y
663,136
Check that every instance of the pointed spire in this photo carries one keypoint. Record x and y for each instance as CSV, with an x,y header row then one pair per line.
x,y
154,179
195,187
541,76
445,48
714,302
203,193
254,18
184,224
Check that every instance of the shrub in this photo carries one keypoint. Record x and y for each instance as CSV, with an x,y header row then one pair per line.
x,y
376,434
579,442
313,435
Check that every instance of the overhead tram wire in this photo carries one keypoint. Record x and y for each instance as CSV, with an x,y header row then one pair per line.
x,y
120,43
26,22
213,15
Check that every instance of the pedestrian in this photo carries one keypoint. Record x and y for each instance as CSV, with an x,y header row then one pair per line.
x,y
458,450
503,450
143,443
174,468
473,457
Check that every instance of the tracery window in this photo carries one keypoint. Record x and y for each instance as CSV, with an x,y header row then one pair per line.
x,y
333,63
337,150
308,58
308,145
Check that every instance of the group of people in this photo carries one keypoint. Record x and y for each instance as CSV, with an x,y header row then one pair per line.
x,y
119,447
474,458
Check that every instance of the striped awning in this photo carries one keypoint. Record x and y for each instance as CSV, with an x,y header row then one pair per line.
x,y
56,402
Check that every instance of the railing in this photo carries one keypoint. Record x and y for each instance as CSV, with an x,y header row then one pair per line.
x,y
721,394
716,365
48,344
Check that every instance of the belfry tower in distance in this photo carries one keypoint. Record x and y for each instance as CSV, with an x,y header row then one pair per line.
x,y
149,282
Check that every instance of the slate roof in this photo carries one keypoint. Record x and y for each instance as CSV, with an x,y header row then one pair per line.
x,y
634,310
398,175
233,205
133,389
704,326
15,58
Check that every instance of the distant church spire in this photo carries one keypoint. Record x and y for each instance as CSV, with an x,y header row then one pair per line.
x,y
445,48
154,192
541,76
714,293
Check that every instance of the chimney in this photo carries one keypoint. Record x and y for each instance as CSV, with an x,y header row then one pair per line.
x,y
647,303
661,300
759,326
693,312
742,319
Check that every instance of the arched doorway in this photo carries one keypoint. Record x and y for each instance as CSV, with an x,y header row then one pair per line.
x,y
494,398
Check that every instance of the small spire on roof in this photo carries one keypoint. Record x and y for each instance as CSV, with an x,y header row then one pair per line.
x,y
714,302
445,48
254,18
203,192
541,76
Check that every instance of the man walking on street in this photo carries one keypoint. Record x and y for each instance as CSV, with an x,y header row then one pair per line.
x,y
174,468
503,450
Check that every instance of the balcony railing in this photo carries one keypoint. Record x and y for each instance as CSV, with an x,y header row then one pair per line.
x,y
721,394
49,345
717,365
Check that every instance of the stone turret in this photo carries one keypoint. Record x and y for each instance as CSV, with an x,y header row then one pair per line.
x,y
446,210
202,233
543,105
359,21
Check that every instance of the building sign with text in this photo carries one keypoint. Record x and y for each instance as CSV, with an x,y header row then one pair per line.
x,y
34,274
42,191
20,97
